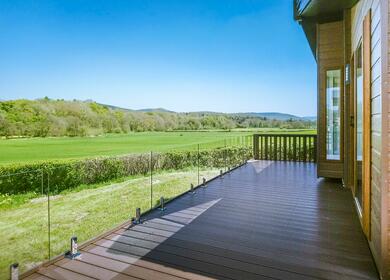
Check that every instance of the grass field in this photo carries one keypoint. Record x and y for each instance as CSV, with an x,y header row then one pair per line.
x,y
84,212
39,149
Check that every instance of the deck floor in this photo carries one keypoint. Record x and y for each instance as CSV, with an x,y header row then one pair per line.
x,y
265,220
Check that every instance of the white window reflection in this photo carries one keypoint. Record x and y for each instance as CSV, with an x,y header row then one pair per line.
x,y
333,88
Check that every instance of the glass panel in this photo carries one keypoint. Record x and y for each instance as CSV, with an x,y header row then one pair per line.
x,y
23,220
359,122
333,86
90,209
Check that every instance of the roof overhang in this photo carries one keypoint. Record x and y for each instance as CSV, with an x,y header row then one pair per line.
x,y
310,12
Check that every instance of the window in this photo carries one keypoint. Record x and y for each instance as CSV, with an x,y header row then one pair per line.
x,y
359,103
333,88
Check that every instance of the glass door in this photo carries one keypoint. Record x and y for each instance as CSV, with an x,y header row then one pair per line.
x,y
358,131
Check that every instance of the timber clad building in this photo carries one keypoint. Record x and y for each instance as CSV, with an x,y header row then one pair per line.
x,y
350,42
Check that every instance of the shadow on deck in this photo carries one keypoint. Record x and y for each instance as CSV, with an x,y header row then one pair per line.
x,y
265,220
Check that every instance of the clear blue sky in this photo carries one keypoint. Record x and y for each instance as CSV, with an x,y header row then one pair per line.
x,y
183,55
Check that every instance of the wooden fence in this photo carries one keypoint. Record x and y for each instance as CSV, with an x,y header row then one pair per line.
x,y
285,147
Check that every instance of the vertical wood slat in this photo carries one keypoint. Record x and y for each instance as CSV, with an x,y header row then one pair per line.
x,y
285,147
262,147
294,149
275,148
256,146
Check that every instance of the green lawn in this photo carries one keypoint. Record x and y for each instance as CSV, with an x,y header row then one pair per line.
x,y
39,149
85,212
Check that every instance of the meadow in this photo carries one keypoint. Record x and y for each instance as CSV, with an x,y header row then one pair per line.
x,y
26,150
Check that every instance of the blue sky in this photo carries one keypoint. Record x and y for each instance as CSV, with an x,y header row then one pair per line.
x,y
183,55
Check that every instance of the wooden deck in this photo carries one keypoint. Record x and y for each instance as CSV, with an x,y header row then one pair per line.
x,y
265,220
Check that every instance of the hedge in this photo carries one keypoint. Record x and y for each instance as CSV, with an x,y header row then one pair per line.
x,y
63,175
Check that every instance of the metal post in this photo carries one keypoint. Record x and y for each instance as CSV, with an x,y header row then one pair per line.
x,y
192,189
162,204
73,245
221,173
204,182
137,219
14,271
74,249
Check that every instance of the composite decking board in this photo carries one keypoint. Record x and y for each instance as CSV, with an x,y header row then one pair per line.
x,y
184,237
213,249
265,220
277,274
124,268
56,272
229,261
272,218
179,238
221,260
37,276
288,230
288,224
295,240
185,272
330,264
187,261
93,271
291,202
137,261
266,204
307,216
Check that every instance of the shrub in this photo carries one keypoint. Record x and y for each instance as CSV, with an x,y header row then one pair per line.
x,y
56,176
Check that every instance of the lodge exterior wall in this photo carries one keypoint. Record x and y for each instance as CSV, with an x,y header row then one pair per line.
x,y
336,43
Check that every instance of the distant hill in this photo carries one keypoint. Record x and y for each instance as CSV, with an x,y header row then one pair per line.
x,y
268,115
112,107
310,118
49,117
157,110
271,115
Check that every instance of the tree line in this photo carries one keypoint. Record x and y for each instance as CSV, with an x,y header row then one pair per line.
x,y
48,117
